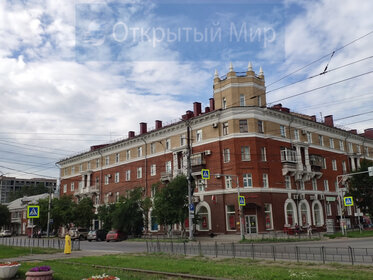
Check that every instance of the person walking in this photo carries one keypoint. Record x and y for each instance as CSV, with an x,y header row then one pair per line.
x,y
309,230
67,244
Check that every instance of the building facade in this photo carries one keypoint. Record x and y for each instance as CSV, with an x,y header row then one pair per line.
x,y
285,164
10,185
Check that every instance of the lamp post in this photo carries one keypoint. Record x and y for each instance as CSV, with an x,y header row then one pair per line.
x,y
242,222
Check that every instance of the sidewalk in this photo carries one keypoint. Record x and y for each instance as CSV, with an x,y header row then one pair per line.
x,y
60,256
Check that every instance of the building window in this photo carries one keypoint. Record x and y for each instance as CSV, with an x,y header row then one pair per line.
x,y
182,140
225,128
203,215
139,151
328,209
199,135
231,217
107,179
323,164
226,155
282,130
344,167
201,185
153,170
89,165
296,134
341,145
321,140
128,175
73,170
309,137
243,126
263,153
97,181
326,185
81,167
97,163
224,103
139,172
228,182
304,214
265,181
152,148
117,157
242,100
64,188
117,177
260,126
331,143
72,187
301,183
128,154
314,184
350,148
334,164
318,216
288,182
168,167
358,149
268,216
245,153
290,214
107,160
168,144
247,180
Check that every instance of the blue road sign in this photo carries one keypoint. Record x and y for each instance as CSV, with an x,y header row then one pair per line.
x,y
33,211
241,200
191,207
205,173
348,201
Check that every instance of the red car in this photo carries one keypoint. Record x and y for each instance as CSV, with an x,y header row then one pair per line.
x,y
115,235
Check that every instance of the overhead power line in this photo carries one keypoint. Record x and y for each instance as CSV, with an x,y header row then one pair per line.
x,y
30,173
352,116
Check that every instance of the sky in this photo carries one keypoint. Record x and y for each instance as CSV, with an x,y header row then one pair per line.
x,y
79,73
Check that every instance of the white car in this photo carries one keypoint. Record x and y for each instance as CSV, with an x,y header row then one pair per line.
x,y
5,233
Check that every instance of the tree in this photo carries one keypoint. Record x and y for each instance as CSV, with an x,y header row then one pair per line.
x,y
83,213
128,216
43,214
171,202
62,211
361,188
4,216
105,215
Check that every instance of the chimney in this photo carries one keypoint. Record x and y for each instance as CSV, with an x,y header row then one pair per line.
x,y
131,134
189,114
368,133
158,124
328,120
313,118
354,131
207,109
212,104
197,108
143,128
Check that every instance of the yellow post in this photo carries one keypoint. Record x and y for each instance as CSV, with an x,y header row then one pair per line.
x,y
67,244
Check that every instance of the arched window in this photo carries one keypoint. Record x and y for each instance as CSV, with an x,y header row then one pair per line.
x,y
304,213
318,215
291,217
204,215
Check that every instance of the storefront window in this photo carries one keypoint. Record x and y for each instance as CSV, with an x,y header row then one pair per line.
x,y
316,211
290,214
303,214
203,218
268,216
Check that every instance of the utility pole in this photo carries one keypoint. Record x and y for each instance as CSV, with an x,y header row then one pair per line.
x,y
49,212
189,176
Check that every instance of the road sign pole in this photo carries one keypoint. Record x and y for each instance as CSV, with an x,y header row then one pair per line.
x,y
242,222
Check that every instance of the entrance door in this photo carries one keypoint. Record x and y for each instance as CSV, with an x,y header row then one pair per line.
x,y
251,224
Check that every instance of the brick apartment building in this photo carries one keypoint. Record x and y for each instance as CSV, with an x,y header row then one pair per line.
x,y
286,163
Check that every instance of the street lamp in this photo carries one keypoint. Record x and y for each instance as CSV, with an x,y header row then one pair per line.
x,y
242,222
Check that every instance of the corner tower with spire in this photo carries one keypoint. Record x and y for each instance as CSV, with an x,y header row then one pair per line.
x,y
239,88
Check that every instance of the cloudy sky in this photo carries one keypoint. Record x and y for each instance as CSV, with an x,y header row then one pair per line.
x,y
80,73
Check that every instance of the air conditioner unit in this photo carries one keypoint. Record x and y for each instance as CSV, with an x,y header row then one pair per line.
x,y
207,152
304,132
295,196
215,125
302,196
322,196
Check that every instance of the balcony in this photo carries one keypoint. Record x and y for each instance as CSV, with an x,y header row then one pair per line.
x,y
288,155
197,162
316,163
87,191
166,176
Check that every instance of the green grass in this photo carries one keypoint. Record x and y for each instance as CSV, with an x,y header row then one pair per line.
x,y
224,268
13,251
351,234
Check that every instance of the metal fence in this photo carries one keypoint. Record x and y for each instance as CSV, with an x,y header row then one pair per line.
x,y
260,251
55,243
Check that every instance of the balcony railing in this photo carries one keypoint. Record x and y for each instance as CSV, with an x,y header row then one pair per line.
x,y
166,176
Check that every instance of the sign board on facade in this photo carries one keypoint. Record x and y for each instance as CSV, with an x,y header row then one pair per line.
x,y
241,200
330,198
205,173
348,201
33,211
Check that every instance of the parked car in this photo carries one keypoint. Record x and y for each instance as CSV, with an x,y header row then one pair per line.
x,y
5,233
115,235
80,233
98,235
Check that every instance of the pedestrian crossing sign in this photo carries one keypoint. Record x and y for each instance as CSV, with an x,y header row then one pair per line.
x,y
205,173
348,201
241,200
33,211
